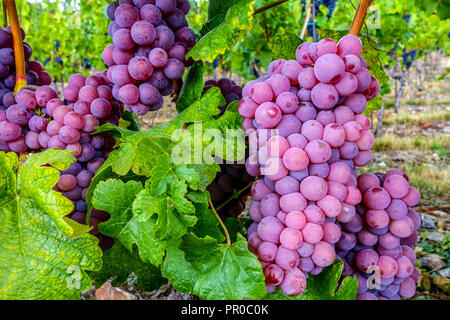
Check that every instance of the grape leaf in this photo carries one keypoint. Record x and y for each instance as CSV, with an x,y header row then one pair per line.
x,y
116,198
118,262
214,271
323,286
192,86
224,36
38,260
284,46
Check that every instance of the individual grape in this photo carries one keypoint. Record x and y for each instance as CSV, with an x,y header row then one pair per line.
x,y
26,98
287,258
122,40
366,258
349,44
274,274
67,182
44,94
291,70
352,63
295,159
174,69
331,232
334,135
269,229
74,120
357,102
186,36
324,96
402,228
164,38
294,282
121,57
18,114
318,151
292,201
329,68
268,115
151,13
126,15
101,108
287,102
261,92
313,188
286,185
140,68
142,33
291,238
377,198
267,251
323,254
69,135
279,84
331,206
312,233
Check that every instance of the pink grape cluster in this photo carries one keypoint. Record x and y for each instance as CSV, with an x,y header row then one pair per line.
x,y
381,237
150,41
307,135
19,120
35,73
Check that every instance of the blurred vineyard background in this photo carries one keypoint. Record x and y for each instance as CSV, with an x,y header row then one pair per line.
x,y
412,127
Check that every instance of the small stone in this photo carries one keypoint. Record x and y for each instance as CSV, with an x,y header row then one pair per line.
x,y
435,236
109,292
445,272
432,262
428,222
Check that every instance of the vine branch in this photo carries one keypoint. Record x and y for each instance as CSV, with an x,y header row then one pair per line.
x,y
19,54
269,6
360,16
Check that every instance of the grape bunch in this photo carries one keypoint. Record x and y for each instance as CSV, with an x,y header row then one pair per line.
x,y
150,41
230,188
36,75
307,135
382,237
20,118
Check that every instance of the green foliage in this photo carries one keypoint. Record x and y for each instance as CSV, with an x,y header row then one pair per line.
x,y
323,286
284,46
38,260
223,36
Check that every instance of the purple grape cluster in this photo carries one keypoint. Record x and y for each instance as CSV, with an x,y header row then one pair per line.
x,y
20,114
307,135
382,236
36,75
150,41
230,188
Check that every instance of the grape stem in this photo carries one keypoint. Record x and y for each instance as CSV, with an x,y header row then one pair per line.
x,y
225,230
238,194
19,54
269,6
360,16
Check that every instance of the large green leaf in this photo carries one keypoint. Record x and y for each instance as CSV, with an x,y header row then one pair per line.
x,y
215,271
37,258
119,263
324,286
192,86
224,36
